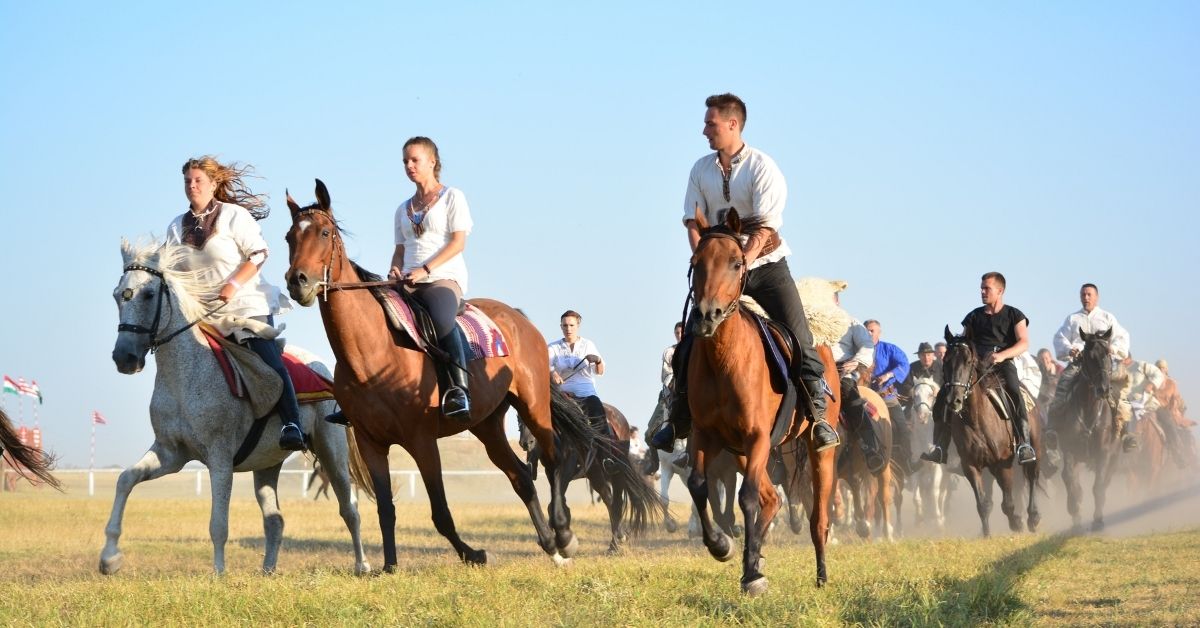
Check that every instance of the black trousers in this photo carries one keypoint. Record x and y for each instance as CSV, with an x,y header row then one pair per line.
x,y
774,288
442,302
269,351
1012,385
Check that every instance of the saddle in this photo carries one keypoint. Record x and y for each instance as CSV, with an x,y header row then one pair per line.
x,y
407,315
782,360
993,387
248,377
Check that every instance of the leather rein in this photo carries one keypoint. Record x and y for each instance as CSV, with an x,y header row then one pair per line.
x,y
325,285
164,292
733,305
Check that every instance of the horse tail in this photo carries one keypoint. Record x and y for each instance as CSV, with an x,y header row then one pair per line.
x,y
26,460
358,467
575,434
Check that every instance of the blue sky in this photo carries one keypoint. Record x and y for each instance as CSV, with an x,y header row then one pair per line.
x,y
923,145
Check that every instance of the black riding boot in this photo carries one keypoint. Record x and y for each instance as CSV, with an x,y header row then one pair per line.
x,y
857,421
456,402
941,431
679,417
823,434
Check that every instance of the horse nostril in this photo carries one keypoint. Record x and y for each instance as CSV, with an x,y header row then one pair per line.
x,y
300,278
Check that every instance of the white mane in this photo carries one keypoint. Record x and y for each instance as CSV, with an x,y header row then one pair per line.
x,y
194,288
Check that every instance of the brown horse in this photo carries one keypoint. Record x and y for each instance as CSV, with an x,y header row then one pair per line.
x,y
984,439
1086,430
388,389
1145,465
603,475
873,493
25,460
733,404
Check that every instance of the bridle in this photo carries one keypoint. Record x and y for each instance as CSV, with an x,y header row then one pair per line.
x,y
164,292
733,305
325,285
927,383
970,382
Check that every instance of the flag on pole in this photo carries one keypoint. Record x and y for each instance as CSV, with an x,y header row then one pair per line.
x,y
33,390
97,418
10,386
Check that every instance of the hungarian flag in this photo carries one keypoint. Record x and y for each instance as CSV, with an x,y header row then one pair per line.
x,y
10,386
33,390
97,418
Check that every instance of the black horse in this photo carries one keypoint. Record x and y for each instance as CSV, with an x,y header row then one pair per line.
x,y
1086,430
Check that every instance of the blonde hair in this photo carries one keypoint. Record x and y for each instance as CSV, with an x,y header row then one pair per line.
x,y
231,188
421,140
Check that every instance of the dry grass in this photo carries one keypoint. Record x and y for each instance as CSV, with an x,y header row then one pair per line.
x,y
50,544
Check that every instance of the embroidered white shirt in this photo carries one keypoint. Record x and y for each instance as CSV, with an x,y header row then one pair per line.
x,y
565,359
448,214
1096,321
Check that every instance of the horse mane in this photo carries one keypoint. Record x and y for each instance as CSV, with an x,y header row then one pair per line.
x,y
749,225
182,267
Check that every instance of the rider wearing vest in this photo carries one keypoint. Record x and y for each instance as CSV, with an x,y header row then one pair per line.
x,y
431,235
999,333
221,224
743,178
1068,343
574,365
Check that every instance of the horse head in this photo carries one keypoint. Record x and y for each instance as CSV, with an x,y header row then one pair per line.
x,y
1095,365
925,390
139,296
313,242
960,367
718,272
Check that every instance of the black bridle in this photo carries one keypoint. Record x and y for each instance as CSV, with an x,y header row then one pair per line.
x,y
974,366
733,305
164,293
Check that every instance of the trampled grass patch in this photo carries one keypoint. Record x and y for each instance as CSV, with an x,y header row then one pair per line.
x,y
50,545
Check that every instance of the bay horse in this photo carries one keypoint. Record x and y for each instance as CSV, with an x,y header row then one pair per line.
x,y
984,439
1086,429
196,417
23,459
388,389
733,404
873,493
616,492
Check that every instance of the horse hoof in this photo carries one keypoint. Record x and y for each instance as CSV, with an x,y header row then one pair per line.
x,y
1033,524
755,587
476,558
671,526
560,561
738,530
570,548
112,564
389,569
613,549
362,569
821,583
1097,526
722,550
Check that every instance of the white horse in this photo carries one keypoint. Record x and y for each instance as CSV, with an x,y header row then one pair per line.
x,y
933,483
193,414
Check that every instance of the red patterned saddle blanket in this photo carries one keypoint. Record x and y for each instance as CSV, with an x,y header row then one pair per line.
x,y
484,338
311,386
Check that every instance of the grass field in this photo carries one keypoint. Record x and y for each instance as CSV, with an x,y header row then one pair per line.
x,y
50,544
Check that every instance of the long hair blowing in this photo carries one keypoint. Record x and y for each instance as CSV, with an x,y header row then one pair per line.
x,y
230,183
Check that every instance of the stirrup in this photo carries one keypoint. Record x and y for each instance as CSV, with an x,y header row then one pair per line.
x,y
1030,455
824,435
664,438
291,438
456,405
337,418
937,455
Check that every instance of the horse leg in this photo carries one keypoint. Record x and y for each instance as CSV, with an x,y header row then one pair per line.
x,y
156,462
1033,517
1004,477
375,456
1104,474
266,483
886,496
983,501
665,473
862,512
759,504
717,542
220,476
425,454
1074,490
559,464
610,494
490,432
938,491
821,465
333,451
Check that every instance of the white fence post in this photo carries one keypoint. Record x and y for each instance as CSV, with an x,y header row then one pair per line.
x,y
199,482
304,483
412,484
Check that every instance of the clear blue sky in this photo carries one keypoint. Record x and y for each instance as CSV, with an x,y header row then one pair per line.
x,y
923,145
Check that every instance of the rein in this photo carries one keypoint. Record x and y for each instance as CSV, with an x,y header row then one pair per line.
x,y
164,292
325,285
733,305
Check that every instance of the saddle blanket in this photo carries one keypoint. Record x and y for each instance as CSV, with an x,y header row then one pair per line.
x,y
311,387
484,338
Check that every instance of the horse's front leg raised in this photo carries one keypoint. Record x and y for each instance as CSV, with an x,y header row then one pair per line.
x,y
424,451
266,483
717,542
156,462
759,503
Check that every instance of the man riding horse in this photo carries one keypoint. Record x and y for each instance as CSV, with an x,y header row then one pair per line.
x,y
740,177
999,333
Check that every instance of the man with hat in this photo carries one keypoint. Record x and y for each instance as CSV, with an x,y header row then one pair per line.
x,y
925,366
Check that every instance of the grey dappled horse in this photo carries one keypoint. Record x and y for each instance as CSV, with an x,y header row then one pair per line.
x,y
193,414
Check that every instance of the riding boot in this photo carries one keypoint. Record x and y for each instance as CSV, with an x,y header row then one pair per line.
x,y
679,418
823,433
456,402
1025,452
857,421
939,453
337,418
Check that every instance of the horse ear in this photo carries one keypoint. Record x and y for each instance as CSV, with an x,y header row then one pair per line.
x,y
701,221
949,336
291,203
1084,336
733,221
323,197
1106,334
126,252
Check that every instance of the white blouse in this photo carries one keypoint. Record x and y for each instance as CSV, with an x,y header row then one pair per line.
x,y
448,214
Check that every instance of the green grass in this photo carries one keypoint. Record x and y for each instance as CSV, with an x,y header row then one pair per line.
x,y
50,545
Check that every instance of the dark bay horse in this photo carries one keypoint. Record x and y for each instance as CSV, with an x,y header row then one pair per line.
x,y
24,459
1086,430
984,439
733,404
616,492
388,390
